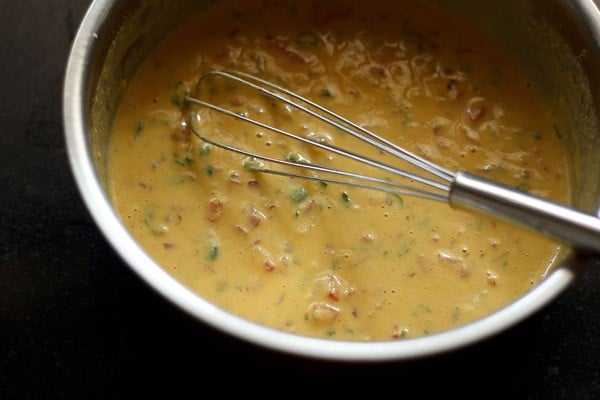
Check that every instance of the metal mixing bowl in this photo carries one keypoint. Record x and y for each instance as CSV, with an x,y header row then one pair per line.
x,y
557,40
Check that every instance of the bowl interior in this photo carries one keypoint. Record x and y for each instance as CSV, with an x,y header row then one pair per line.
x,y
556,41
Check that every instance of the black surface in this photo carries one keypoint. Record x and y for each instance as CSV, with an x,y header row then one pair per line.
x,y
76,323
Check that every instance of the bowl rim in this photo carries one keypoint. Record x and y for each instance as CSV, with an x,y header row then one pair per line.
x,y
75,121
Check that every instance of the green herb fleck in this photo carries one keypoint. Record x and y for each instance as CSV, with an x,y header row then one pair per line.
x,y
557,132
298,194
204,149
456,313
213,252
297,158
252,164
325,93
149,221
398,199
522,187
307,39
209,170
222,287
345,198
405,247
241,288
184,160
175,100
139,127
425,308
422,45
178,98
260,63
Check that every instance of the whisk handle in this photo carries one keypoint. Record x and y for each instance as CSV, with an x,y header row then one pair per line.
x,y
566,224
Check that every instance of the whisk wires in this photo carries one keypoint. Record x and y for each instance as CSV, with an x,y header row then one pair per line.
x,y
436,188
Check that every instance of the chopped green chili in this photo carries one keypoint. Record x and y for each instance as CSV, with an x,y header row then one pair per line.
x,y
298,194
297,158
252,164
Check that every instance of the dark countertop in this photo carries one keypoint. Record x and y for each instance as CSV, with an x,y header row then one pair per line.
x,y
75,322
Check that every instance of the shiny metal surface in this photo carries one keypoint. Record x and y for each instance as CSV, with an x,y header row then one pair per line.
x,y
115,36
462,190
552,219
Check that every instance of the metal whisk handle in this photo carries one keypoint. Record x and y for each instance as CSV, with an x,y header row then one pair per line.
x,y
555,220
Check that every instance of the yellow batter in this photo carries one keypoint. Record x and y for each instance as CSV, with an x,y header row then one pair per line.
x,y
326,260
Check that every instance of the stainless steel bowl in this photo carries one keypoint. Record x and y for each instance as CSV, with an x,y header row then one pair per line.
x,y
557,40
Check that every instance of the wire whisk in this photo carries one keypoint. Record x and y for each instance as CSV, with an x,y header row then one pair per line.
x,y
460,190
